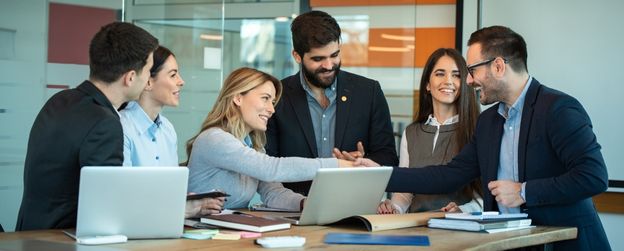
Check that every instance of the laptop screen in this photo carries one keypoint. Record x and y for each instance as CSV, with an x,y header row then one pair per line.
x,y
138,202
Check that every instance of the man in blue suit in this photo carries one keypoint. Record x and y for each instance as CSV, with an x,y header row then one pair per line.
x,y
535,151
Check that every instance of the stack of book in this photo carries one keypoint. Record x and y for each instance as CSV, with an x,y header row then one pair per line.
x,y
491,222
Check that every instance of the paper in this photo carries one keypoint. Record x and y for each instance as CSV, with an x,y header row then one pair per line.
x,y
499,230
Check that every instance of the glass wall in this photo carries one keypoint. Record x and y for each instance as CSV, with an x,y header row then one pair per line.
x,y
43,51
390,41
209,45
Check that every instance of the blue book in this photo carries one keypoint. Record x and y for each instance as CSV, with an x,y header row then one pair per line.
x,y
377,239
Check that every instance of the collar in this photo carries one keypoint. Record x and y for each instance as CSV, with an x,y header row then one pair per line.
x,y
432,121
90,89
247,141
329,92
141,120
518,105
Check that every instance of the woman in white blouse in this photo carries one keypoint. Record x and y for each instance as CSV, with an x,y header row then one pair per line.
x,y
446,119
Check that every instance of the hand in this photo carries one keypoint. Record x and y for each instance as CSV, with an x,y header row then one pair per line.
x,y
365,162
451,208
302,204
506,192
205,206
345,163
350,155
386,207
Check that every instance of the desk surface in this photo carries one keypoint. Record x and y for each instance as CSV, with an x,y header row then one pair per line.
x,y
440,240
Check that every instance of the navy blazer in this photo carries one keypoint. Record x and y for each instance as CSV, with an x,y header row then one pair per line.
x,y
362,115
558,158
75,128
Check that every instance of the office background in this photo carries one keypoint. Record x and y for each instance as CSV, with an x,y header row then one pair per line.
x,y
574,46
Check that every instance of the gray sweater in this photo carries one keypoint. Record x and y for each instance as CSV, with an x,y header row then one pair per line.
x,y
221,161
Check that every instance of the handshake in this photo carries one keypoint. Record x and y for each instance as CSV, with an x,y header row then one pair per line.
x,y
353,159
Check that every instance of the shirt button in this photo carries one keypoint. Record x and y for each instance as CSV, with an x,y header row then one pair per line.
x,y
153,139
324,139
157,158
323,115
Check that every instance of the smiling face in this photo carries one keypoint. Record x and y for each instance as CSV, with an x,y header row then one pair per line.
x,y
164,88
257,106
444,82
482,79
320,65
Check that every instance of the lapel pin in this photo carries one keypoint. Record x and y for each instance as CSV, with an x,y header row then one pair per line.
x,y
343,98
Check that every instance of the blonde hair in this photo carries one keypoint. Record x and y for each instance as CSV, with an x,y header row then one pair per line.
x,y
227,115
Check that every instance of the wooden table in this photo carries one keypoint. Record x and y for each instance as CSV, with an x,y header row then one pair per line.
x,y
440,240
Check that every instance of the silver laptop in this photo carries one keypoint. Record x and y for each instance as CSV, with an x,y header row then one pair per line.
x,y
337,193
138,202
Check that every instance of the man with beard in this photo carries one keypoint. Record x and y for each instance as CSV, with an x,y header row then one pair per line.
x,y
324,111
535,150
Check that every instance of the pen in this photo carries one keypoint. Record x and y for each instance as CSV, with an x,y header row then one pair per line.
x,y
485,213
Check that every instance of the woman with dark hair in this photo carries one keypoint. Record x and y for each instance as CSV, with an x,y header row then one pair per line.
x,y
447,116
149,137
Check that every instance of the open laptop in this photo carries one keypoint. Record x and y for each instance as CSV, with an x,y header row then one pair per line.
x,y
138,202
337,193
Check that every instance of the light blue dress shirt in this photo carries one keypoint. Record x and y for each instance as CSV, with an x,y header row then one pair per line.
x,y
508,164
323,120
147,142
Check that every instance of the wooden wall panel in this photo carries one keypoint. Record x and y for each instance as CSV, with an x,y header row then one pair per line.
x,y
430,39
401,47
335,3
609,202
385,49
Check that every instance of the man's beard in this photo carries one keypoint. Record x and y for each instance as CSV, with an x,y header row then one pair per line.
x,y
314,79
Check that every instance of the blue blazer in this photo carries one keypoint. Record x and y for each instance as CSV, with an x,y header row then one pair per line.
x,y
362,116
558,158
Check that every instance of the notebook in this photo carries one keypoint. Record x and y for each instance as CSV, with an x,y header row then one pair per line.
x,y
138,202
337,193
478,225
376,239
245,222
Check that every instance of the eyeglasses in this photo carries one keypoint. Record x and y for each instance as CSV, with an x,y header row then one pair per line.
x,y
472,67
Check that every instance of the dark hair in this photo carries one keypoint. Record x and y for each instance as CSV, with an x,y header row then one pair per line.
x,y
118,48
313,29
465,105
500,41
160,56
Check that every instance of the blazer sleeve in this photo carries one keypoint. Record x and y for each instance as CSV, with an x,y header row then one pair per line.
x,y
382,147
103,145
571,137
462,169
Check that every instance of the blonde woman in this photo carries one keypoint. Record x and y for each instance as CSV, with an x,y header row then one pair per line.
x,y
228,152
